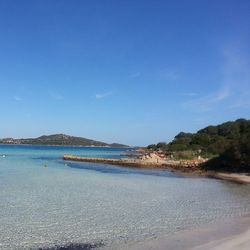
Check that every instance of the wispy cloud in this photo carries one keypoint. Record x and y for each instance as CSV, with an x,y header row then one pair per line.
x,y
135,75
207,102
233,87
17,98
56,96
236,69
103,95
236,74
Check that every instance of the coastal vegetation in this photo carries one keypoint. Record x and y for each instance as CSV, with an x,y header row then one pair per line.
x,y
60,140
227,146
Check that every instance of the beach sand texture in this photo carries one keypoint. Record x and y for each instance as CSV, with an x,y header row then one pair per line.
x,y
229,235
238,242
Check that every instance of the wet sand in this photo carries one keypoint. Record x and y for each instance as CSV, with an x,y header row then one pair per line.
x,y
234,177
233,234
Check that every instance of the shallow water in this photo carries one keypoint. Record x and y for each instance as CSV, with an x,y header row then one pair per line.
x,y
63,204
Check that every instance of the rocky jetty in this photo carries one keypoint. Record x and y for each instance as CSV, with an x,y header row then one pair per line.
x,y
150,160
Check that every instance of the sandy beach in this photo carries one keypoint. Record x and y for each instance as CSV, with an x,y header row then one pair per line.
x,y
233,234
241,178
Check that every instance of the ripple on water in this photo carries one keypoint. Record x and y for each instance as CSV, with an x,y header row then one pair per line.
x,y
61,207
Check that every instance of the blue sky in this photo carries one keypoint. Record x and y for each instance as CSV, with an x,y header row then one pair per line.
x,y
134,72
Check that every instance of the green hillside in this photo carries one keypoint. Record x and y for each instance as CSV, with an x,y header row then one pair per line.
x,y
228,144
60,140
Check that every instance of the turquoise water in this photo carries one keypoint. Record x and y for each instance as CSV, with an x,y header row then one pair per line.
x,y
84,203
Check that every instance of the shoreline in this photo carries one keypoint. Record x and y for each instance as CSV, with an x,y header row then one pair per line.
x,y
231,234
240,178
56,145
187,168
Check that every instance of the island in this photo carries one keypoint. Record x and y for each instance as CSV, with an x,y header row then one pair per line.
x,y
61,140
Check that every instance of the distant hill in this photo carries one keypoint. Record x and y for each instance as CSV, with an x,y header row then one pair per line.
x,y
228,144
60,140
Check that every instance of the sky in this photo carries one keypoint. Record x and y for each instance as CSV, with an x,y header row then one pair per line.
x,y
130,71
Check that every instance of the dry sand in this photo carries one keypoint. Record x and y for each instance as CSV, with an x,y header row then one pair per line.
x,y
233,234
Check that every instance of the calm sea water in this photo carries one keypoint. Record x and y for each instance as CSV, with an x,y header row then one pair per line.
x,y
41,207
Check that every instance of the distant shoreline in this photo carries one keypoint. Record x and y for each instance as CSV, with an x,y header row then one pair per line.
x,y
59,140
56,145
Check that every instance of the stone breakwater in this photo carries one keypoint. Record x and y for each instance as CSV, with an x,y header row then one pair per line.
x,y
189,167
145,162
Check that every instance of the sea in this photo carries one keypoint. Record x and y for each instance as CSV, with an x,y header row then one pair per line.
x,y
49,203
